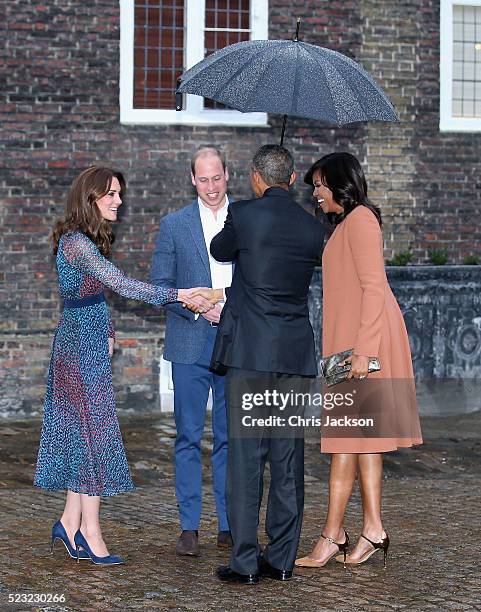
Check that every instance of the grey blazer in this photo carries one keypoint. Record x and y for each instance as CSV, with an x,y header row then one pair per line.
x,y
180,260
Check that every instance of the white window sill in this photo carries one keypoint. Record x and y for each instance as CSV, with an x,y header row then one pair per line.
x,y
460,124
206,117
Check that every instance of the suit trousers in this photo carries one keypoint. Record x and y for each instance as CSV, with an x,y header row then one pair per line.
x,y
246,461
192,383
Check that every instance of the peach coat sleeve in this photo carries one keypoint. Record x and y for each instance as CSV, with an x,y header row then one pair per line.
x,y
365,240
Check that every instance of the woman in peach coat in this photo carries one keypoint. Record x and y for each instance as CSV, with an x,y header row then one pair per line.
x,y
360,312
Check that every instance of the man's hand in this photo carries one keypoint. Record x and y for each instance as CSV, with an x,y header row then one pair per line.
x,y
194,299
111,346
213,315
200,299
213,295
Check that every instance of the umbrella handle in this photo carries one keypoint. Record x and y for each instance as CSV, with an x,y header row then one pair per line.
x,y
178,97
284,121
298,27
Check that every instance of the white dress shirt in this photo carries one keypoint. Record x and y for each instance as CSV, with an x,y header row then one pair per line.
x,y
220,272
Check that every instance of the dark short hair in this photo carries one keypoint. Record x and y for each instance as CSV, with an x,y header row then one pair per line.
x,y
274,163
209,149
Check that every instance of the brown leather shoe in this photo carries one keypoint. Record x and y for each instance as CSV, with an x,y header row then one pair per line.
x,y
188,544
224,539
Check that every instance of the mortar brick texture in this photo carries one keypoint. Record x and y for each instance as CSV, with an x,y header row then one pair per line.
x,y
59,113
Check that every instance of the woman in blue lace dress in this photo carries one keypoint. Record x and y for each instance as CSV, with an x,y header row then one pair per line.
x,y
81,447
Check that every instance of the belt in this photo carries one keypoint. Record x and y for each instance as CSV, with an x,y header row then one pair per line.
x,y
88,300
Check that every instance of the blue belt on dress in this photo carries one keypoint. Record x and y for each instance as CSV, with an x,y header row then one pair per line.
x,y
88,300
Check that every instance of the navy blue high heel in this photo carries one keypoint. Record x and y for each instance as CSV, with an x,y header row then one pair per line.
x,y
80,541
59,533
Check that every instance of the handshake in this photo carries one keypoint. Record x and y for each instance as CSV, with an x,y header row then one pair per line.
x,y
200,299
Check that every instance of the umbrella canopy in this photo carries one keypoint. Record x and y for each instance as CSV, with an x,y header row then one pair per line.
x,y
289,77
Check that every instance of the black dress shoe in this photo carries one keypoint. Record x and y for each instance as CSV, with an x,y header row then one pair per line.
x,y
188,544
226,574
267,571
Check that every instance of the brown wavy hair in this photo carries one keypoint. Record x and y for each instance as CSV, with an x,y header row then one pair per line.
x,y
81,212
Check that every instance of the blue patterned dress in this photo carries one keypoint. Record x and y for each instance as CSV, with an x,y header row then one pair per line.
x,y
81,445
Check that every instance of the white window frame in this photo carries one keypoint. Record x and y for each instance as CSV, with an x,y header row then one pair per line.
x,y
194,112
448,123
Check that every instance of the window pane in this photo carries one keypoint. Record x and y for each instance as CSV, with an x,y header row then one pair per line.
x,y
226,22
469,31
458,31
468,90
458,50
469,14
158,52
466,60
458,14
468,108
468,71
457,70
221,19
457,90
457,108
469,52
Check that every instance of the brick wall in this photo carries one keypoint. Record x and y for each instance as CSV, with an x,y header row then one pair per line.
x,y
59,113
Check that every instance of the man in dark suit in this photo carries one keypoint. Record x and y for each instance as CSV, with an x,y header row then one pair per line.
x,y
264,336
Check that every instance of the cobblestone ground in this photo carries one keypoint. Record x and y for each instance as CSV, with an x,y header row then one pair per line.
x,y
432,498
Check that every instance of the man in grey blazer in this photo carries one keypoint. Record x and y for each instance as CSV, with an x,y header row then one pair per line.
x,y
182,259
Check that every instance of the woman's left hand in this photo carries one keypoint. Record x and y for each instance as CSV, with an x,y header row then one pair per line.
x,y
359,366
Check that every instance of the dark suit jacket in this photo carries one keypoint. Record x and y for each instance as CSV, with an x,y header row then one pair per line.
x,y
264,325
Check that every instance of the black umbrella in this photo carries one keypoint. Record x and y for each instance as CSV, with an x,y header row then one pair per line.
x,y
288,77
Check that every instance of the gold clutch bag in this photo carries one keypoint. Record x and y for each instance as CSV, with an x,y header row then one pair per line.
x,y
334,373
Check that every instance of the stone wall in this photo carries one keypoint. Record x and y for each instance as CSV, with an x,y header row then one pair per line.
x,y
441,306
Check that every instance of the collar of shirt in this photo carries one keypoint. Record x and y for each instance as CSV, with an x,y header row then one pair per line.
x,y
206,212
